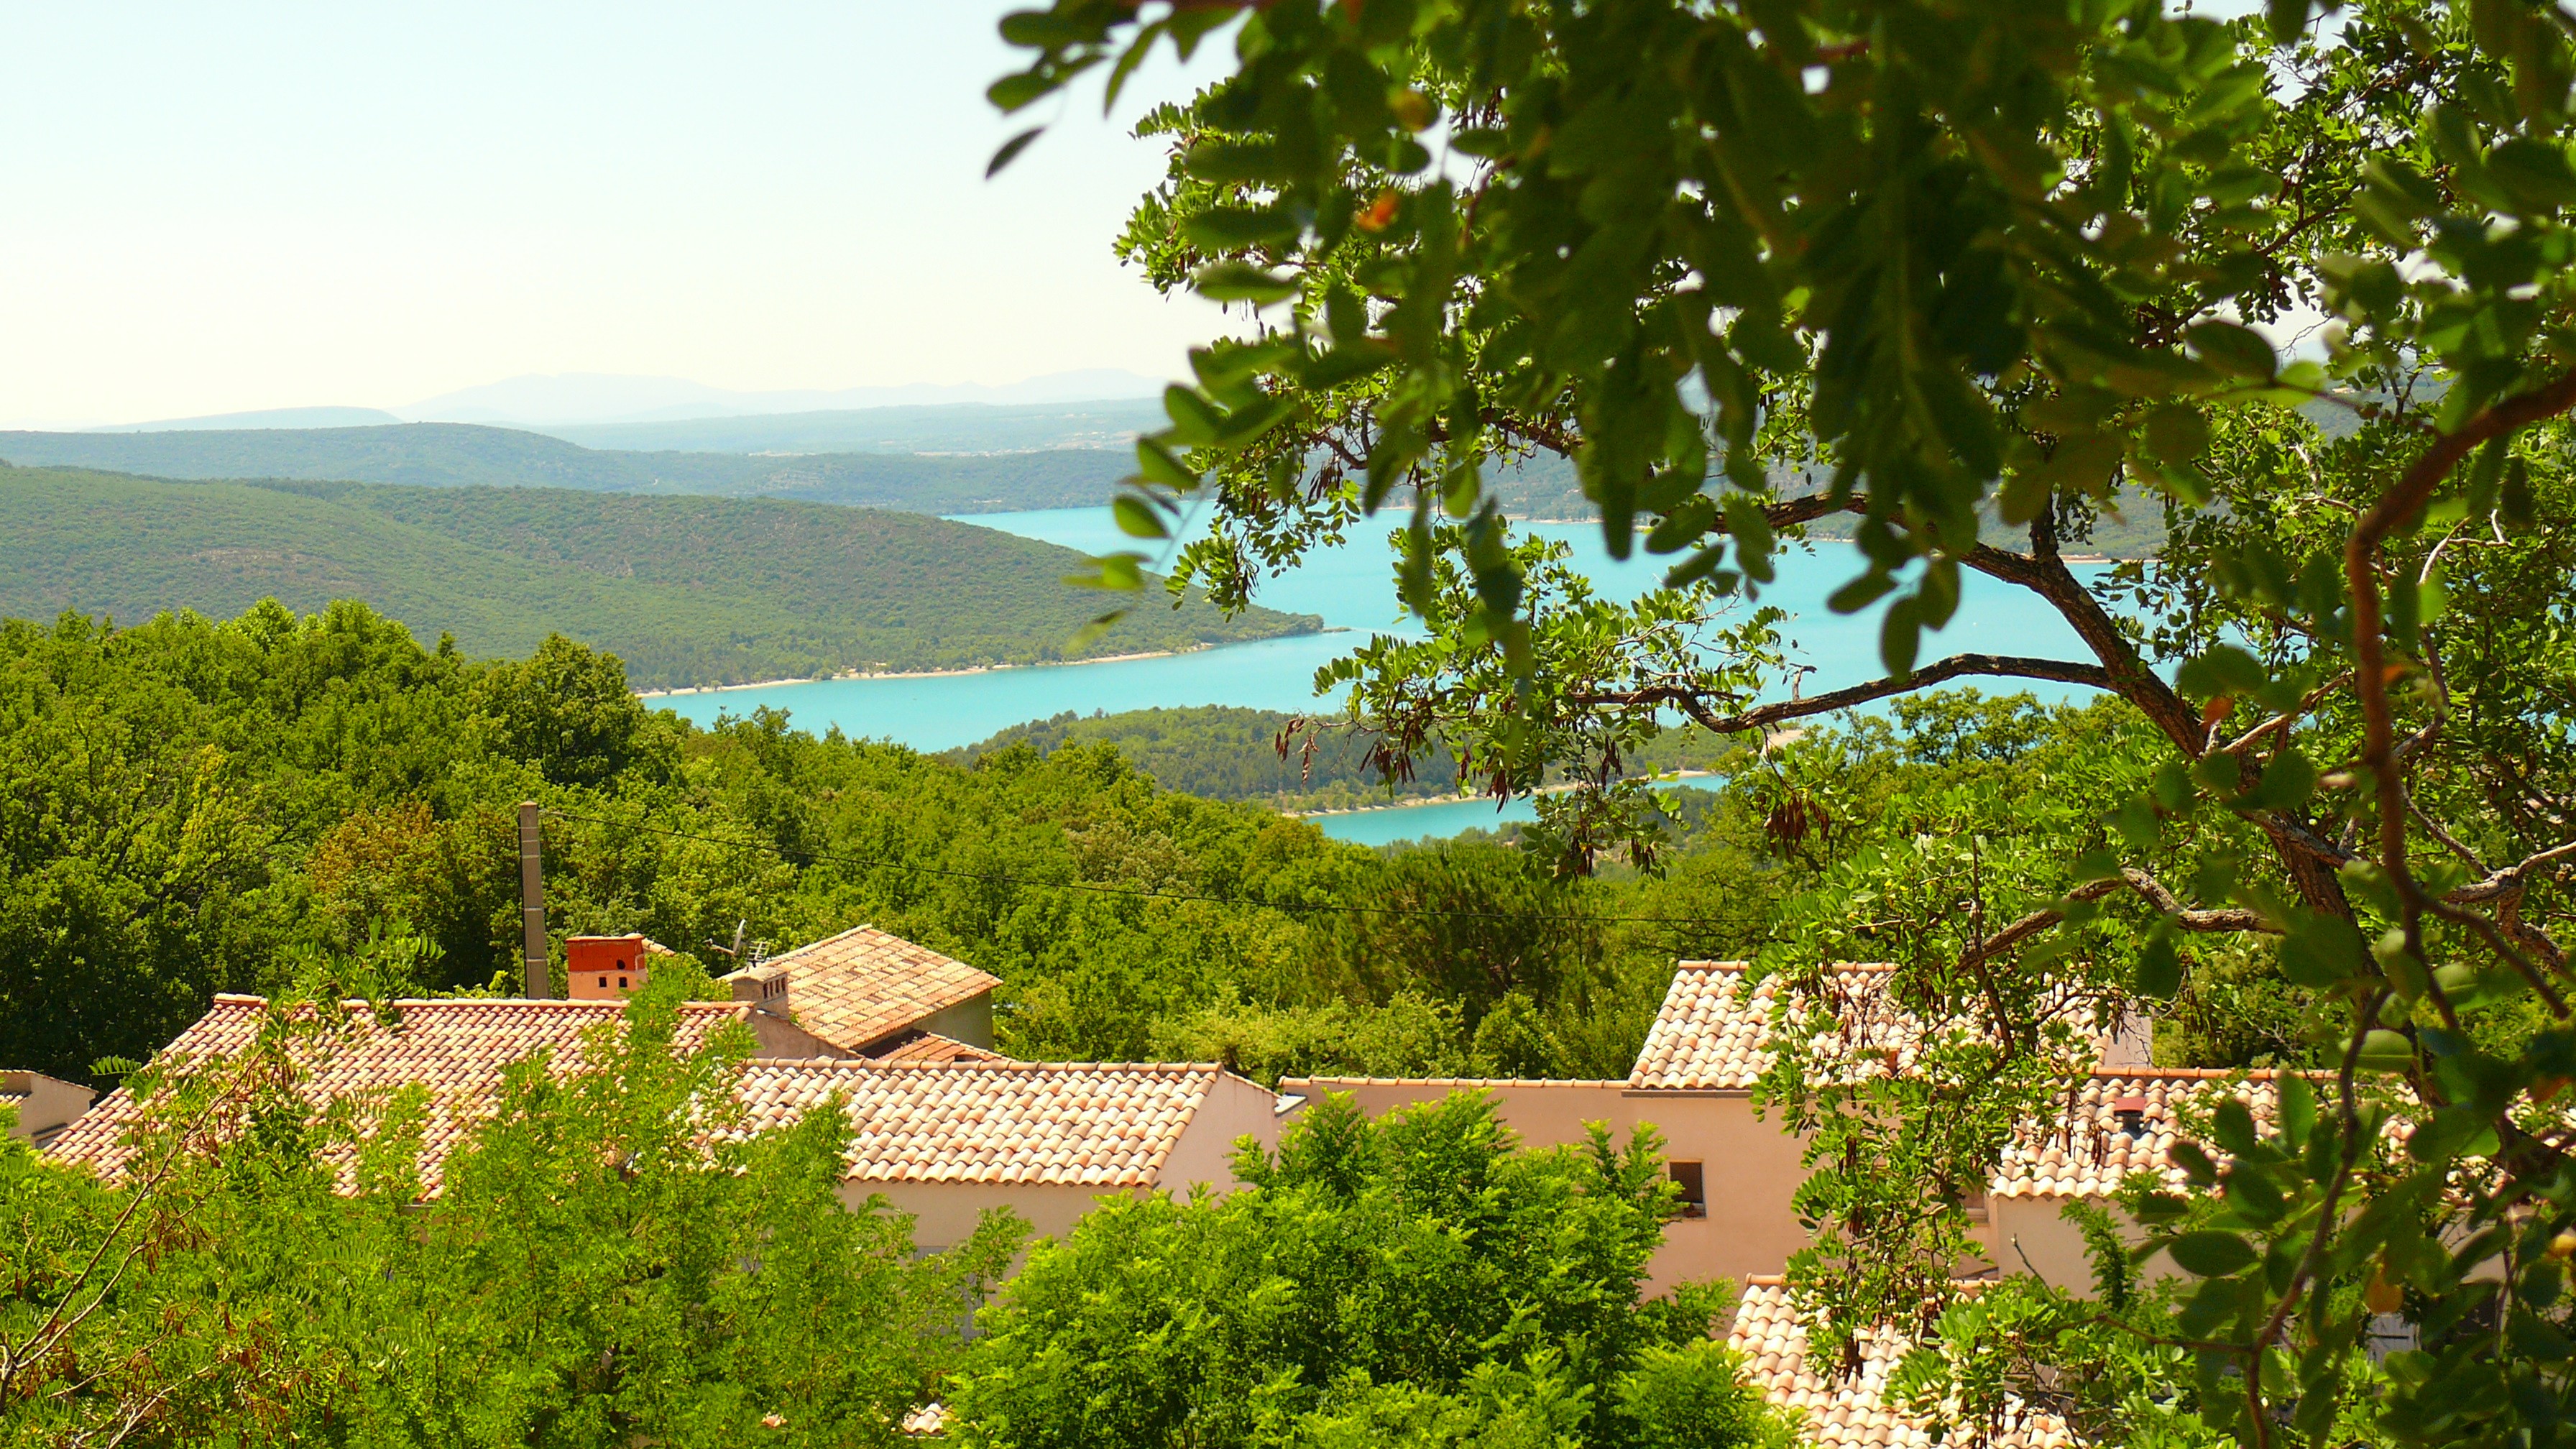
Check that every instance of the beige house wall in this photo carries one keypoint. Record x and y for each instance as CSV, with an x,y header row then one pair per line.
x,y
1748,1165
46,1105
783,1040
944,1214
1232,1110
1750,1169
2027,1235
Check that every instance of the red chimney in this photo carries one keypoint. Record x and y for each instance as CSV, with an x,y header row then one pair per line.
x,y
2132,1112
604,968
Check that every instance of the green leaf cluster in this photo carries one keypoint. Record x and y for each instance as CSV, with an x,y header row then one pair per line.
x,y
1414,1280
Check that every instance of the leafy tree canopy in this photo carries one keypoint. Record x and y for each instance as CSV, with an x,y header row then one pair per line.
x,y
1411,1281
1752,264
593,1272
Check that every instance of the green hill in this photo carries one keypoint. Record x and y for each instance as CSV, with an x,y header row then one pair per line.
x,y
1223,752
447,455
688,591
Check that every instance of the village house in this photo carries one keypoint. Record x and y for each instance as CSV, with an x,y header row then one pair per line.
x,y
875,995
944,1129
1738,1169
941,1127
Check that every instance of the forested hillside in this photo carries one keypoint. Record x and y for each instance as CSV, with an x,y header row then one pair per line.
x,y
689,591
446,455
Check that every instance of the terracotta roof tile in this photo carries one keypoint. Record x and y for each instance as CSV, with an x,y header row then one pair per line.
x,y
2084,1151
457,1049
861,985
930,1046
1712,1035
1854,1413
1345,1084
959,1119
1097,1124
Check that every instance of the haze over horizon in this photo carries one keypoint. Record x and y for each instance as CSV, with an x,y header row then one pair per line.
x,y
297,207
584,399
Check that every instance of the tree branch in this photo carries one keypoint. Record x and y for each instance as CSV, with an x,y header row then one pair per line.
x,y
2131,878
2370,655
1696,702
2510,880
2122,672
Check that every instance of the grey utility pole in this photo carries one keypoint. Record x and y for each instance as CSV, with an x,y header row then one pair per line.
x,y
532,902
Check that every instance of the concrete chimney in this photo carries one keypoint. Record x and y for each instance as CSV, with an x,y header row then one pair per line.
x,y
532,902
764,987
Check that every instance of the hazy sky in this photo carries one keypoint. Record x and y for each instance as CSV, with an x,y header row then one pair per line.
x,y
224,207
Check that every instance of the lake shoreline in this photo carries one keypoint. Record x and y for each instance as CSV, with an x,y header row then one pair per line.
x,y
975,669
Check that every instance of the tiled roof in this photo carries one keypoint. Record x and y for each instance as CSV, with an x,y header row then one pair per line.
x,y
1097,1124
930,1046
853,988
2082,1151
1852,1414
1713,1036
457,1049
1346,1084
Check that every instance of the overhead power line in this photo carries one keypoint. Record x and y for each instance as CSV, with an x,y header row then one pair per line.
x,y
1094,888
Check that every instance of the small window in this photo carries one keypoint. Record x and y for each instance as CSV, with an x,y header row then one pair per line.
x,y
603,983
1694,1186
621,983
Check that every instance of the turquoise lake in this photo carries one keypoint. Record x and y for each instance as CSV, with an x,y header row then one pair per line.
x,y
1352,588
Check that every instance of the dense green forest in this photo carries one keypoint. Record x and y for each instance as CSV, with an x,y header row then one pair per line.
x,y
448,455
193,806
689,591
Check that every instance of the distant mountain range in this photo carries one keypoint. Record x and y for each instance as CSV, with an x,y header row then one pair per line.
x,y
940,460
267,418
947,428
546,401
448,455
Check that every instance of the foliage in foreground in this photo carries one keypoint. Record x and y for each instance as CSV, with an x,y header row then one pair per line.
x,y
1411,1281
1754,264
591,1274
